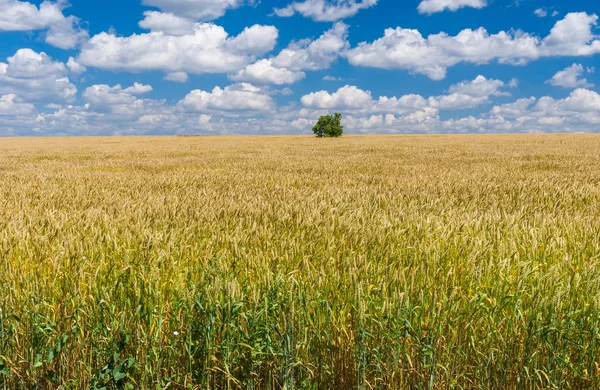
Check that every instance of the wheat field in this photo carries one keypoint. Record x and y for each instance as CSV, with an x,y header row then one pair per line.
x,y
366,262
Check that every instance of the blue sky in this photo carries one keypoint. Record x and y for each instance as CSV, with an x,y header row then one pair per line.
x,y
273,66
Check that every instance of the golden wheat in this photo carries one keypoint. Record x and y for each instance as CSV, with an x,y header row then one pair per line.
x,y
291,262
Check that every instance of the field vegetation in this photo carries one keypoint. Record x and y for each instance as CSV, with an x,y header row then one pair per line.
x,y
379,262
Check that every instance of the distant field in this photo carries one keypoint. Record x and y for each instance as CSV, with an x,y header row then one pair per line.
x,y
408,262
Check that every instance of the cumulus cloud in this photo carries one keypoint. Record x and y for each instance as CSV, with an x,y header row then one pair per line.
x,y
121,101
457,101
513,110
314,55
254,40
462,96
571,77
481,86
36,77
60,31
470,94
347,97
433,6
10,106
325,10
580,111
407,49
204,10
263,72
233,98
75,67
289,65
543,12
212,112
102,94
208,50
167,23
572,36
580,100
403,105
177,77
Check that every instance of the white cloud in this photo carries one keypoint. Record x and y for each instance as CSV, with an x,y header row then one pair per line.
x,y
75,67
214,113
544,11
572,36
580,111
255,40
481,86
407,49
138,89
284,92
332,78
433,6
351,98
60,30
314,55
233,98
425,120
456,101
167,23
208,50
405,104
469,94
177,77
204,10
107,110
325,10
579,101
513,110
10,106
118,100
263,72
347,97
36,77
571,77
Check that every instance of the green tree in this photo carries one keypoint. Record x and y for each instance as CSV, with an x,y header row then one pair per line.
x,y
329,126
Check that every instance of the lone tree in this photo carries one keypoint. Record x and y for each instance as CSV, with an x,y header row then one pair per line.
x,y
329,126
